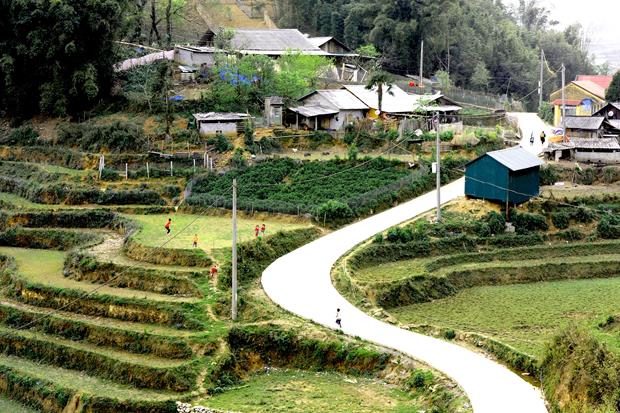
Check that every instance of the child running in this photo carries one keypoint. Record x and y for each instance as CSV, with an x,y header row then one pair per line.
x,y
256,231
167,226
195,243
262,230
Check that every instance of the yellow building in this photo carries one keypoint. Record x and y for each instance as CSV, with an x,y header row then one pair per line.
x,y
582,97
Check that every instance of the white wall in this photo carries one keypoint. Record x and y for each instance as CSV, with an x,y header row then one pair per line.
x,y
189,58
345,117
604,157
211,128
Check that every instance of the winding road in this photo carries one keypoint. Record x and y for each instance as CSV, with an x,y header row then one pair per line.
x,y
300,283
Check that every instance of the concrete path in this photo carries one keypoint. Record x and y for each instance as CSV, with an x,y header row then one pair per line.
x,y
530,123
300,282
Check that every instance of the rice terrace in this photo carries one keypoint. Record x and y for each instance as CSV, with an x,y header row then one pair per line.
x,y
217,206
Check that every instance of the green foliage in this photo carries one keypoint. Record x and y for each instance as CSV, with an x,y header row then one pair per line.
x,y
220,143
420,379
545,112
585,176
549,174
400,234
480,77
610,174
71,41
525,222
238,160
613,91
115,137
368,50
561,219
248,134
572,234
444,80
609,226
352,152
333,211
449,334
22,136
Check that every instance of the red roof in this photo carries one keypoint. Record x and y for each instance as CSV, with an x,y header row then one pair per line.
x,y
601,80
568,102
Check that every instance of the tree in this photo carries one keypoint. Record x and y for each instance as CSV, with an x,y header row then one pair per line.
x,y
613,91
443,78
57,56
480,77
380,79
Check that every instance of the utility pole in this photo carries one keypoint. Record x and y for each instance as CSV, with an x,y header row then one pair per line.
x,y
421,64
438,168
563,103
234,252
540,82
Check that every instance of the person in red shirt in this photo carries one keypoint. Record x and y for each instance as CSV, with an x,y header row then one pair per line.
x,y
256,231
167,226
262,230
214,271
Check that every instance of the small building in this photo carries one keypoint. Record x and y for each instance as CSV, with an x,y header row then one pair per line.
x,y
214,123
196,56
274,106
328,109
188,73
601,150
583,127
582,97
508,176
610,111
332,46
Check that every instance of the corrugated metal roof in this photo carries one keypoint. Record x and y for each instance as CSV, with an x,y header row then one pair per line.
x,y
395,100
615,123
596,143
515,159
220,116
319,41
312,111
583,122
272,40
338,98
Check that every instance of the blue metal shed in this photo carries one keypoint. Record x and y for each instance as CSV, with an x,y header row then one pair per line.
x,y
509,175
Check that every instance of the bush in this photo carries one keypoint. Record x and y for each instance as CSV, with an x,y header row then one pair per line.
x,y
571,235
378,239
610,174
496,222
609,226
549,174
220,143
22,136
526,222
583,214
108,174
115,137
449,335
333,211
561,219
400,234
420,379
248,134
585,176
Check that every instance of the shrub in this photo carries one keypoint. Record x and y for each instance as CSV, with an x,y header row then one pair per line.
x,y
420,379
610,174
496,222
248,134
220,143
449,335
585,176
549,174
526,222
609,226
22,136
572,234
238,160
115,137
333,211
583,214
378,239
400,234
108,174
561,219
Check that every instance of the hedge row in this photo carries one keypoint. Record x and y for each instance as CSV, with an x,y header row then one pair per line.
x,y
180,378
100,305
81,266
99,335
59,193
47,238
48,396
166,256
256,255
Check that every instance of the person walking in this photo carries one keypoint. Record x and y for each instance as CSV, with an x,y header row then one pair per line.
x,y
167,226
262,230
195,242
543,136
213,271
532,139
338,318
256,231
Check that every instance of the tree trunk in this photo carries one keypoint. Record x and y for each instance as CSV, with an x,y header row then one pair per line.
x,y
154,29
169,23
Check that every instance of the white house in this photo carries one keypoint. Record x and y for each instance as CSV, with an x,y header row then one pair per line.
x,y
328,109
213,123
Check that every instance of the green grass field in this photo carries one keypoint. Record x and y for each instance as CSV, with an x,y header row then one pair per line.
x,y
213,232
9,406
524,316
308,392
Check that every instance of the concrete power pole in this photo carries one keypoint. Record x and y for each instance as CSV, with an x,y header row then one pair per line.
x,y
421,63
233,306
540,82
438,168
563,103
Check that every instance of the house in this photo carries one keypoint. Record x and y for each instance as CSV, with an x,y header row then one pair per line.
x,y
601,150
332,46
582,97
346,61
583,127
196,56
611,112
214,123
397,102
509,176
327,109
274,106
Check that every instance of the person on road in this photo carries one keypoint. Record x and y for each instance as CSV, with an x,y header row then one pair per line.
x,y
542,137
213,271
256,231
338,318
262,230
195,242
532,139
167,226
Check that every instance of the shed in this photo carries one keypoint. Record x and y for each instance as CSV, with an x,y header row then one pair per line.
x,y
273,110
335,107
213,123
508,175
196,56
601,150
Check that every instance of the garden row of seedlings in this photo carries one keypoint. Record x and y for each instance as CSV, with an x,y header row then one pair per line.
x,y
136,344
